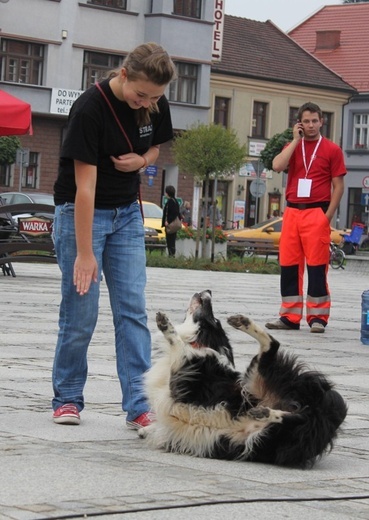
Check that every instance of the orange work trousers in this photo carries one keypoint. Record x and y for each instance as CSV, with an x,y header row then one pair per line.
x,y
305,240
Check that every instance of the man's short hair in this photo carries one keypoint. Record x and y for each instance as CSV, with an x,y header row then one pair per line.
x,y
309,107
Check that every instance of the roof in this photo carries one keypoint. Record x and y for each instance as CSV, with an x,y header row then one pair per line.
x,y
260,50
351,59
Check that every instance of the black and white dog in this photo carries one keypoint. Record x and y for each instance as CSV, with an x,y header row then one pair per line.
x,y
278,412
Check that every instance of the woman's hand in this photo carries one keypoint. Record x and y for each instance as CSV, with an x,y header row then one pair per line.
x,y
85,272
128,162
85,265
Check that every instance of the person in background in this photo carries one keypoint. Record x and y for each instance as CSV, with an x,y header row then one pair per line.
x,y
315,186
218,216
186,213
114,131
171,212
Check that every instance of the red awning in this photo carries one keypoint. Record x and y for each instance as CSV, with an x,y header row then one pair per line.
x,y
15,115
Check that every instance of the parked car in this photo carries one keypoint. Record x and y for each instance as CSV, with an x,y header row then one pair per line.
x,y
153,215
272,229
152,212
26,197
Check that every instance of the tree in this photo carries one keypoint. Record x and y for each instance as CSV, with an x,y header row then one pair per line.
x,y
8,149
274,147
206,151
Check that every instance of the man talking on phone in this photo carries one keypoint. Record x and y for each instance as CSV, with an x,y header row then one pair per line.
x,y
315,186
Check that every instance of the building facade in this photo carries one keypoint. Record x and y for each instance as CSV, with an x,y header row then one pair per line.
x,y
249,76
338,35
257,88
52,50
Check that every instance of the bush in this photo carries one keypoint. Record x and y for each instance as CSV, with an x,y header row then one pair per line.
x,y
231,265
274,146
188,232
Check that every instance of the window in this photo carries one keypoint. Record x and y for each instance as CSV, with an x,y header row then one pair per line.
x,y
355,211
259,119
221,111
189,8
5,175
326,129
21,62
118,4
361,126
30,174
96,65
183,89
292,116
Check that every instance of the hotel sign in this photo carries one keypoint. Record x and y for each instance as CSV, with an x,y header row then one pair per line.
x,y
216,54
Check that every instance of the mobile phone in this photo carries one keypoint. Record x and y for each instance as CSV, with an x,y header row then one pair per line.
x,y
300,131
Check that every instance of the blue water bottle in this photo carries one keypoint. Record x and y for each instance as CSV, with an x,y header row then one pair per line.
x,y
364,336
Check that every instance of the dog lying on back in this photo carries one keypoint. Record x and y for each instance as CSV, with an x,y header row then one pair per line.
x,y
277,412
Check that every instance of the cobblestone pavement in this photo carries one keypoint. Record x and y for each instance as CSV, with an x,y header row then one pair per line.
x,y
102,469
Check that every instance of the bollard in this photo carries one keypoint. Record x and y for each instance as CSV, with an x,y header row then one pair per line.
x,y
364,336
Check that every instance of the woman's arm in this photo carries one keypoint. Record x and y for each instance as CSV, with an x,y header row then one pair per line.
x,y
130,162
85,266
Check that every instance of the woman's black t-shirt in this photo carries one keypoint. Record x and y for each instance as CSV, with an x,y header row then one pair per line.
x,y
93,135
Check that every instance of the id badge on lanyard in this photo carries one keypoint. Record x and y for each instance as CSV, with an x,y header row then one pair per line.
x,y
304,185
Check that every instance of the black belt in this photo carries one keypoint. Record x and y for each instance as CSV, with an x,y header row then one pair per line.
x,y
308,205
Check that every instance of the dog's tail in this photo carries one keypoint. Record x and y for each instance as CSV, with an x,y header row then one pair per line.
x,y
305,436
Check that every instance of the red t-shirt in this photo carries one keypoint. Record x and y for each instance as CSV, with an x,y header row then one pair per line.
x,y
328,163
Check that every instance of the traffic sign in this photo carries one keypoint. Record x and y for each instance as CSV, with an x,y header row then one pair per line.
x,y
365,199
151,170
257,188
366,182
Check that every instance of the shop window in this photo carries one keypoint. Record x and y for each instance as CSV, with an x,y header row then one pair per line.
x,y
30,174
5,175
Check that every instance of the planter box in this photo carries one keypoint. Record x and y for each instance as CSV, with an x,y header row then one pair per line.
x,y
220,251
187,248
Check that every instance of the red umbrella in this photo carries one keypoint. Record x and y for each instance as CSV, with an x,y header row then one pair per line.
x,y
15,115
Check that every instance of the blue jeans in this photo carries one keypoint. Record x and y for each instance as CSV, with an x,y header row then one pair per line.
x,y
119,248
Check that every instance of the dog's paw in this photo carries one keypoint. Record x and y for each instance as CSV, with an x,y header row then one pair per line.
x,y
162,321
260,413
142,433
239,321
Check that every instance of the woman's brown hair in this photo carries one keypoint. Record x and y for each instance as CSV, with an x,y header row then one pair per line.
x,y
151,62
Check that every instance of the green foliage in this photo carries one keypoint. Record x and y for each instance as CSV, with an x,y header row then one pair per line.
x,y
206,150
191,233
8,149
274,147
231,265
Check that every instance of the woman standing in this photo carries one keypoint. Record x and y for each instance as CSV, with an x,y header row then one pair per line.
x,y
171,212
114,132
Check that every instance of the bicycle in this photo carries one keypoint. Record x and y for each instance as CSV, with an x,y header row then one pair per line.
x,y
337,256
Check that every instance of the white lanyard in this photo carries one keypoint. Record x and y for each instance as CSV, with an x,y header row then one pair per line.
x,y
307,168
